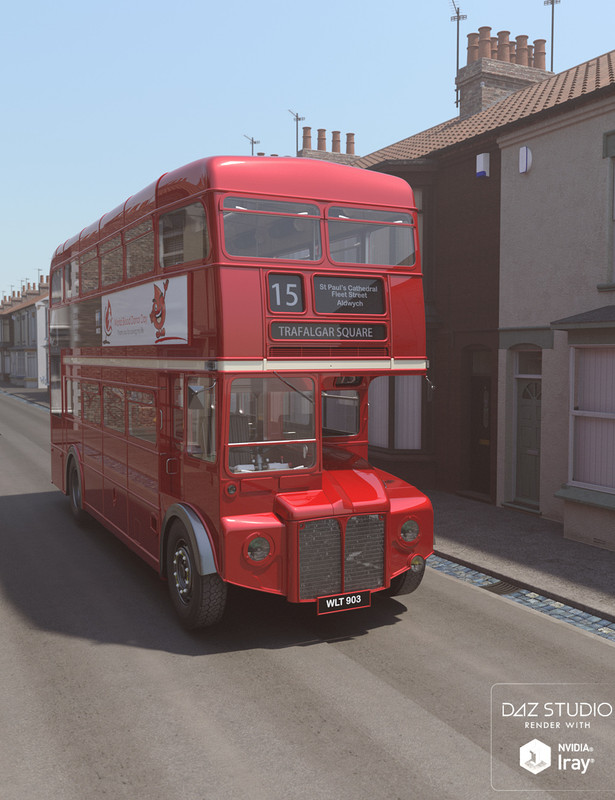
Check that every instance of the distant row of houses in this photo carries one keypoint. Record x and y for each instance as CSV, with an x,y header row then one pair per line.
x,y
23,336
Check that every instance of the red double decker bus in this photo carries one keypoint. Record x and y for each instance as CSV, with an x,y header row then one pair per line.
x,y
212,341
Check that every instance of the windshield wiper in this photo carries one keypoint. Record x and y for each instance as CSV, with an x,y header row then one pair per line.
x,y
294,388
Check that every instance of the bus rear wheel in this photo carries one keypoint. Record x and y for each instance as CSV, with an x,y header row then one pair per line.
x,y
75,493
199,600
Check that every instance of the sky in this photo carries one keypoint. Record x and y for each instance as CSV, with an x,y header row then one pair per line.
x,y
97,100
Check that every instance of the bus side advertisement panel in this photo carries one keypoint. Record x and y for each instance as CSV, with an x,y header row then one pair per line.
x,y
153,313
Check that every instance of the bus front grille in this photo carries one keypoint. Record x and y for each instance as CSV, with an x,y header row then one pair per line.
x,y
341,555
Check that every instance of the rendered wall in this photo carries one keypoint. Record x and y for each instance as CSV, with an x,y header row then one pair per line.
x,y
555,222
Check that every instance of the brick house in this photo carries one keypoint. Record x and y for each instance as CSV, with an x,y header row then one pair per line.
x,y
508,191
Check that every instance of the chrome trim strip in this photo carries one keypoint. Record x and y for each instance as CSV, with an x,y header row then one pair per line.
x,y
250,365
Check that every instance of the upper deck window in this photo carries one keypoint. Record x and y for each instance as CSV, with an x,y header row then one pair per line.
x,y
371,236
139,249
56,286
256,228
183,236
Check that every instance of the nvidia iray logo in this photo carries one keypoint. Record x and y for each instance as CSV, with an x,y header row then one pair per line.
x,y
535,756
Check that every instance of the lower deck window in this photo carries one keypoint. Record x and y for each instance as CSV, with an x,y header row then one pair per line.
x,y
201,417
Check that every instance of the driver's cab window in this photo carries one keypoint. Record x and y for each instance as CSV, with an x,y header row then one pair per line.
x,y
272,424
340,412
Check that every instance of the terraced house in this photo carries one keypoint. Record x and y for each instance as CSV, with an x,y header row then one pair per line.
x,y
517,198
23,336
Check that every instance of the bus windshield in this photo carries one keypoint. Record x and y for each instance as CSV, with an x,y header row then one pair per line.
x,y
370,236
271,229
272,424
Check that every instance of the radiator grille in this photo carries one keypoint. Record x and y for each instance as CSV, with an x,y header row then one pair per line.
x,y
364,553
324,570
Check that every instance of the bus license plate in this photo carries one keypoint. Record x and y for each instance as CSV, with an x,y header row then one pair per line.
x,y
344,602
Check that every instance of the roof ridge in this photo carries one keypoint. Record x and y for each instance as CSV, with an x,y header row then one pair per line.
x,y
575,82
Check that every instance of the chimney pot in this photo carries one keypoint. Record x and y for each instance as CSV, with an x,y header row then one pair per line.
x,y
472,47
322,139
307,138
494,47
540,53
484,42
335,141
530,55
522,50
504,46
350,144
513,52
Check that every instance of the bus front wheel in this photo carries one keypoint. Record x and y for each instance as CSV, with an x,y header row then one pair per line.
x,y
199,600
405,583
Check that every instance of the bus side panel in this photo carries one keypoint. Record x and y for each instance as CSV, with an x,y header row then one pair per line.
x,y
114,481
143,498
92,468
241,331
408,317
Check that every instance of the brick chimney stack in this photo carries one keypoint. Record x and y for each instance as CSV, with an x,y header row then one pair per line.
x,y
336,155
497,67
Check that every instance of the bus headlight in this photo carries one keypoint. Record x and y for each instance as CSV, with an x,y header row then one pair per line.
x,y
409,530
258,548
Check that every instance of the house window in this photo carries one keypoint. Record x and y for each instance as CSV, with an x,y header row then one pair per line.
x,y
593,418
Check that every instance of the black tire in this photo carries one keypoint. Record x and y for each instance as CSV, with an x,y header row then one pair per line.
x,y
406,583
75,495
199,600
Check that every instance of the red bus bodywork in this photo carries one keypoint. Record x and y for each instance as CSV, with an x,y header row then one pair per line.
x,y
194,356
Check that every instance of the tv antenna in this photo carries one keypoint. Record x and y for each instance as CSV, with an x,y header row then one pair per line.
x,y
552,3
297,119
457,17
252,142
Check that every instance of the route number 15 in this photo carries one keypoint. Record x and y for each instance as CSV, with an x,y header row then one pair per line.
x,y
285,292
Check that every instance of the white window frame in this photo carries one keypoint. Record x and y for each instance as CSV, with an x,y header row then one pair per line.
x,y
576,414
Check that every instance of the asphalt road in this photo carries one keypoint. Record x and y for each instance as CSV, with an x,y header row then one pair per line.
x,y
102,695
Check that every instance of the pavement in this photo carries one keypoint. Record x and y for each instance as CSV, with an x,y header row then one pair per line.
x,y
527,551
32,395
487,545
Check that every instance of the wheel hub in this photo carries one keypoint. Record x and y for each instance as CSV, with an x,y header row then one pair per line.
x,y
182,573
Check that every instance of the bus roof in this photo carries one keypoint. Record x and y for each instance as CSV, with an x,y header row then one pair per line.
x,y
304,178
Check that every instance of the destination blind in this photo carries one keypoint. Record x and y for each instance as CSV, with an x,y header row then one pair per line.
x,y
327,331
334,294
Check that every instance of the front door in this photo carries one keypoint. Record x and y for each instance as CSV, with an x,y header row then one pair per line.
x,y
527,484
480,434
